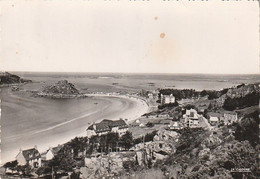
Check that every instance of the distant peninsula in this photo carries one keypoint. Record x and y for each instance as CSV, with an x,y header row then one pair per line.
x,y
61,89
8,78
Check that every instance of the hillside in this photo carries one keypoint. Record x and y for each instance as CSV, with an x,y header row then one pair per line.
x,y
8,78
240,97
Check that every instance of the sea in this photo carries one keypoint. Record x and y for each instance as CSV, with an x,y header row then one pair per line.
x,y
110,82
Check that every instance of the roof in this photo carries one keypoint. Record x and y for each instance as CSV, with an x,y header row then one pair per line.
x,y
165,121
231,113
215,114
189,111
213,119
31,154
202,108
106,125
54,151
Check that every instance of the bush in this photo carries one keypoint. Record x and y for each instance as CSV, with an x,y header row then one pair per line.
x,y
149,124
130,165
170,105
75,175
148,137
126,140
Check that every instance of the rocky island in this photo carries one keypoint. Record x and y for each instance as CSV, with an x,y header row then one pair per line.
x,y
61,89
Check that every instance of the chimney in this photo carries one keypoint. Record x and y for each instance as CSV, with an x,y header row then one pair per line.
x,y
35,146
94,127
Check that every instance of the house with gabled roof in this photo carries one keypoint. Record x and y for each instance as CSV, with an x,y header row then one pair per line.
x,y
230,117
106,126
167,99
213,120
191,118
174,125
50,153
31,157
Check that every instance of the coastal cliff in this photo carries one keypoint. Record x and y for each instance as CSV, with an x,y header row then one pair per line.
x,y
8,78
240,96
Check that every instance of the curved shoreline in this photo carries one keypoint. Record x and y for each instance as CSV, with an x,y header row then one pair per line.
x,y
65,131
138,99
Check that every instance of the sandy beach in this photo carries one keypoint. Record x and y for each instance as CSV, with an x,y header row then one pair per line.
x,y
29,121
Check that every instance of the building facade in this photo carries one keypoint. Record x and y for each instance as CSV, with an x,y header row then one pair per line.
x,y
31,157
229,118
106,126
167,99
191,118
213,120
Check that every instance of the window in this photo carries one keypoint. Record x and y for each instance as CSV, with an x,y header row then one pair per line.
x,y
36,164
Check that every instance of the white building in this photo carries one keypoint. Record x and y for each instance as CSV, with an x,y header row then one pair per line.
x,y
106,126
167,99
213,120
191,118
31,157
174,125
150,95
50,153
229,118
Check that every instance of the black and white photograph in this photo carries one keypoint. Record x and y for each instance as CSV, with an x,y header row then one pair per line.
x,y
129,89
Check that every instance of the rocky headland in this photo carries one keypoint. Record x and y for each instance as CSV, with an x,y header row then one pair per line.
x,y
8,78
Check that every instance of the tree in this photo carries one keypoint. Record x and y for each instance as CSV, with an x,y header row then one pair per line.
x,y
25,169
109,141
213,95
242,102
248,129
40,171
63,160
75,175
11,165
210,106
126,140
149,124
189,106
169,105
203,93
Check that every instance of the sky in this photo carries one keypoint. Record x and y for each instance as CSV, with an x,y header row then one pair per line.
x,y
130,36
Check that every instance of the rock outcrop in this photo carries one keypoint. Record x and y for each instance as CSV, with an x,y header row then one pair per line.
x,y
238,92
61,87
106,165
162,145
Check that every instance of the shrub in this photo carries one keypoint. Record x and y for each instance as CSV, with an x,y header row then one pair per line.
x,y
149,124
130,165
